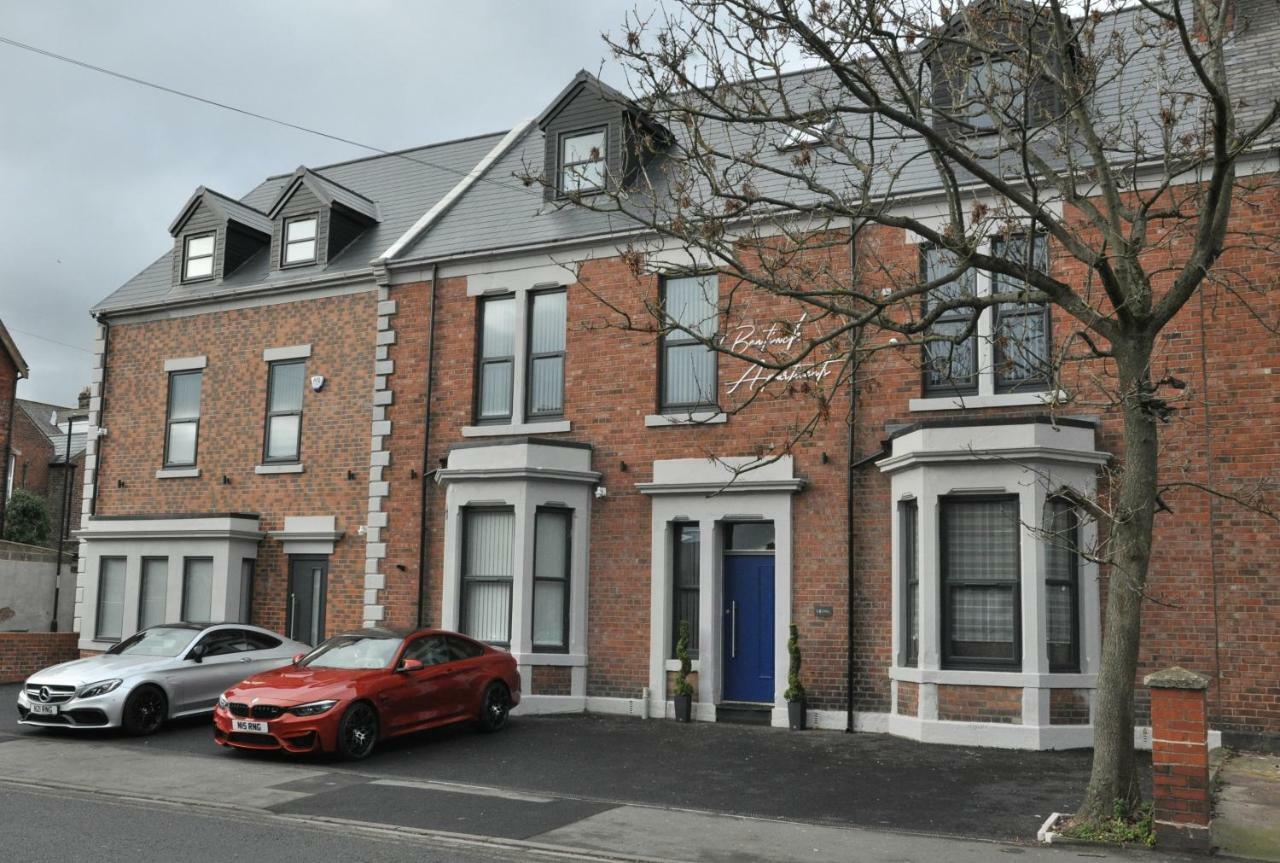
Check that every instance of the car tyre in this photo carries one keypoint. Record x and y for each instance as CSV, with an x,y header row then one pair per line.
x,y
495,707
357,731
145,710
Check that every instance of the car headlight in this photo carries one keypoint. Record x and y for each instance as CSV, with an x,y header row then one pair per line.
x,y
102,687
314,708
223,703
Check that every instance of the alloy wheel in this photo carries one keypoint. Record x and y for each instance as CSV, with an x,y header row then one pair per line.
x,y
359,731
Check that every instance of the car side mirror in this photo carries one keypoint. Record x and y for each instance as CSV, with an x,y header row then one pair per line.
x,y
411,665
298,658
196,654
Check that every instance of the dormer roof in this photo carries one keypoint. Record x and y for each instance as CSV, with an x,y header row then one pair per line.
x,y
228,208
328,191
583,79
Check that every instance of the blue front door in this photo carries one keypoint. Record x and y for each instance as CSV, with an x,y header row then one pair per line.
x,y
748,627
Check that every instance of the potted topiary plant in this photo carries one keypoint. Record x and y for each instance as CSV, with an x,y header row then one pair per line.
x,y
795,689
684,689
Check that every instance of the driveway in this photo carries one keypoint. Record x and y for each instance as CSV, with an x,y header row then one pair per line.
x,y
821,777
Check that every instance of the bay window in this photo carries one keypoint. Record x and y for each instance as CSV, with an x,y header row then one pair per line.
x,y
487,574
909,557
1062,585
197,589
110,618
552,552
153,593
979,547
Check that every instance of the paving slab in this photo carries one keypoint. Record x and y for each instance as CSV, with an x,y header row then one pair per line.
x,y
1246,820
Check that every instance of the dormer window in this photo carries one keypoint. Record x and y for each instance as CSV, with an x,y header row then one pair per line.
x,y
993,94
582,161
197,258
299,241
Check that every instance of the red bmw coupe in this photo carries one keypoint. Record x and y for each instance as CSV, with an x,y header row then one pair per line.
x,y
356,689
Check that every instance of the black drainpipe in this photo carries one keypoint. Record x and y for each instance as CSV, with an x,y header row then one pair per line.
x,y
428,475
102,411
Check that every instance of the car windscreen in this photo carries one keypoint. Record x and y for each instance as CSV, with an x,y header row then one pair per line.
x,y
352,651
156,641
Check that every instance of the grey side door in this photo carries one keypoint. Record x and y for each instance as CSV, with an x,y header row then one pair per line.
x,y
308,582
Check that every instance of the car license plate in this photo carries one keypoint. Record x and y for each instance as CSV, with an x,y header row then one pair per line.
x,y
44,709
249,726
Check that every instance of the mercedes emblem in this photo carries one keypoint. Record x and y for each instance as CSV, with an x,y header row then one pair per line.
x,y
44,694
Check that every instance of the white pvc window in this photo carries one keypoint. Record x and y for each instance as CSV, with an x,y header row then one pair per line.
x,y
300,240
487,572
197,257
110,621
197,589
582,161
551,556
153,592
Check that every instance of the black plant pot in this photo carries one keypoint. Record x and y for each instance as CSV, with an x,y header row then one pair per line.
x,y
796,714
684,707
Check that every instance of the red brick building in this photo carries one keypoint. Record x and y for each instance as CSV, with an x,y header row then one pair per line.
x,y
48,450
462,433
12,368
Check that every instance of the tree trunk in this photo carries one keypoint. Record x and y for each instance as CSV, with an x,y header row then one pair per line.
x,y
1114,777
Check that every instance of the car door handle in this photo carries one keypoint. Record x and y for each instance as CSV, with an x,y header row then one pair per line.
x,y
246,659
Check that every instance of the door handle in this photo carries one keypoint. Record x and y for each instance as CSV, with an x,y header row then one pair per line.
x,y
293,616
733,629
246,659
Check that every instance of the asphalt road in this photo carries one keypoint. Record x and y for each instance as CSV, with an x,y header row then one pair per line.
x,y
37,826
818,777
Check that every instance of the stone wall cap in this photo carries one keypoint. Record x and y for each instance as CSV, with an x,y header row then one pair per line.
x,y
1176,678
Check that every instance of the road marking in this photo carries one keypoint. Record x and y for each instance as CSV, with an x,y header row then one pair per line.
x,y
458,788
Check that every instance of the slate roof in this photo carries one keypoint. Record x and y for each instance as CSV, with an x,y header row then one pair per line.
x,y
498,211
327,191
404,185
502,214
46,417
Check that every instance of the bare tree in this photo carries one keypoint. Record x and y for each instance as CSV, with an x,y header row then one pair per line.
x,y
1085,156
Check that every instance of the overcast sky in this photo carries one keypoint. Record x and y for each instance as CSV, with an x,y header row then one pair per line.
x,y
93,169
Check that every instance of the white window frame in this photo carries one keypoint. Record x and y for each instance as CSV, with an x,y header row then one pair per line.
x,y
521,284
562,165
187,257
286,243
1005,459
987,394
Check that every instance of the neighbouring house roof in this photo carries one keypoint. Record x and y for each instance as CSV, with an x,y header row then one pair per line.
x,y
48,419
11,348
404,185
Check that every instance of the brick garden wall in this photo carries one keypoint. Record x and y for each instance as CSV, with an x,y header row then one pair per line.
x,y
335,432
24,653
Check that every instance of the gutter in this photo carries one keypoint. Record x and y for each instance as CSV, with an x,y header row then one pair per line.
x,y
424,532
